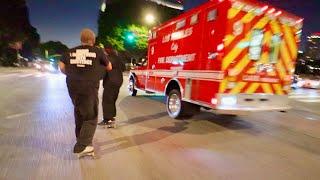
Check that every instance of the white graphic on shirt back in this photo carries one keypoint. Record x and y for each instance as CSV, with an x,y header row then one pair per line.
x,y
80,57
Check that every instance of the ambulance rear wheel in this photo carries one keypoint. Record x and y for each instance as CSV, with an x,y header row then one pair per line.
x,y
177,108
131,88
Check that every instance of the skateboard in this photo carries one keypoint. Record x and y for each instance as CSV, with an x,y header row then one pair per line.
x,y
88,151
92,154
111,124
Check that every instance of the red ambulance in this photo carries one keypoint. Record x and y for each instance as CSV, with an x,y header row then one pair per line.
x,y
232,56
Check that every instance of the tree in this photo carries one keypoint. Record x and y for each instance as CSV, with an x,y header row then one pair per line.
x,y
15,27
129,37
120,18
53,48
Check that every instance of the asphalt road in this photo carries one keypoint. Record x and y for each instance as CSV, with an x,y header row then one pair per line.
x,y
37,136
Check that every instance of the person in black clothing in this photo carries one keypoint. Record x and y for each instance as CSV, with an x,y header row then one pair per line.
x,y
111,84
84,67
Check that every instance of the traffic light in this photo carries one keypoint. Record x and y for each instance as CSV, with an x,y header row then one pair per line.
x,y
130,37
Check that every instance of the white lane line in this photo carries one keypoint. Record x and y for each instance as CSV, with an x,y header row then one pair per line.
x,y
25,75
8,75
40,75
303,96
17,115
309,100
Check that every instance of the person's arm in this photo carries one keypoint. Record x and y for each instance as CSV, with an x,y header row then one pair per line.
x,y
104,61
62,64
62,67
109,66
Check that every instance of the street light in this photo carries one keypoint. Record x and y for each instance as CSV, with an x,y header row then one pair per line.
x,y
150,19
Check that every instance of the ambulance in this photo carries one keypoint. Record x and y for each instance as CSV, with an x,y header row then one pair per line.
x,y
231,56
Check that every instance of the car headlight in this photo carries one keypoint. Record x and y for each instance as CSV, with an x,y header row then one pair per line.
x,y
37,66
229,100
49,67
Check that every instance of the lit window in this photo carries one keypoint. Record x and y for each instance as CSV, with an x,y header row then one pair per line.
x,y
212,15
275,48
194,19
256,45
181,24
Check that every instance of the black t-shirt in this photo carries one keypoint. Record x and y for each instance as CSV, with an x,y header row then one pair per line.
x,y
85,63
115,75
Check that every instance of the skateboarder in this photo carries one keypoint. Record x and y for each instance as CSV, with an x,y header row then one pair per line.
x,y
111,84
84,66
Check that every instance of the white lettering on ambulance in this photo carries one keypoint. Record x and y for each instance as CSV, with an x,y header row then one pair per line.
x,y
257,78
166,38
80,57
179,59
181,34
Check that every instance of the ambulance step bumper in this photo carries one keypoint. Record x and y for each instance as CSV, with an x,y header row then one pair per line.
x,y
245,103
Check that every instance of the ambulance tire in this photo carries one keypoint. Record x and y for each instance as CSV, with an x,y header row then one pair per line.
x,y
131,88
181,109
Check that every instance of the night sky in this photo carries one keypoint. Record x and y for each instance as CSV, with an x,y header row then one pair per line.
x,y
63,19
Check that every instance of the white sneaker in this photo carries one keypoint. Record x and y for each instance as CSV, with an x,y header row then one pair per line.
x,y
88,151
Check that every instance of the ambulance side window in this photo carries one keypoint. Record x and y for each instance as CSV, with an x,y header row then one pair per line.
x,y
275,48
212,15
255,45
194,19
180,24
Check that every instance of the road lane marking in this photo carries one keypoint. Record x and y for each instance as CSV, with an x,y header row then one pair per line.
x,y
17,115
25,75
309,100
8,75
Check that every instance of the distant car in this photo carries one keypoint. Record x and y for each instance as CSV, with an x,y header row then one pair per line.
x,y
46,66
308,83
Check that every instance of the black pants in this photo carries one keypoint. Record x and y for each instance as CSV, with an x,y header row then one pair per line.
x,y
84,96
110,96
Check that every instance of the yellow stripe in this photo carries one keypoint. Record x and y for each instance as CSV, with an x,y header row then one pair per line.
x,y
286,56
253,70
223,86
264,58
252,88
267,37
238,88
275,27
228,40
278,89
242,64
273,73
267,88
248,17
291,41
235,52
262,23
281,70
233,12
